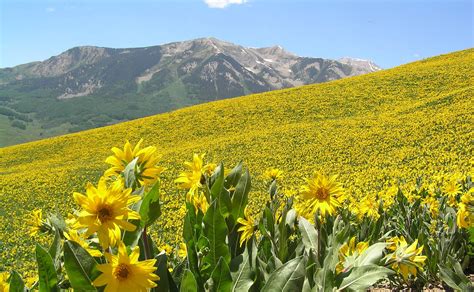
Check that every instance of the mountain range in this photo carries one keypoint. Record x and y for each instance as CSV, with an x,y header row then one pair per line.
x,y
87,87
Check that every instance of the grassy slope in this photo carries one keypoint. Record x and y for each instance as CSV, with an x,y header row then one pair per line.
x,y
412,120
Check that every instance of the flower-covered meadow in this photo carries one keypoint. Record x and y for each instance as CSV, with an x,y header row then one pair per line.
x,y
405,131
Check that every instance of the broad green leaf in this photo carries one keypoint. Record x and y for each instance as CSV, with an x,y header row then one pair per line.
x,y
325,278
162,272
220,280
240,196
48,279
81,267
225,204
233,177
454,277
363,277
131,181
309,234
16,282
150,207
215,230
188,283
189,223
241,272
289,277
55,250
371,255
218,183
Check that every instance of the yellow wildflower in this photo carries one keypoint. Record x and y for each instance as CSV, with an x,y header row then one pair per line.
x,y
105,210
433,204
35,221
405,259
369,207
464,217
321,193
125,273
350,250
452,188
148,171
194,179
199,201
72,235
182,251
4,285
247,228
30,281
168,249
273,174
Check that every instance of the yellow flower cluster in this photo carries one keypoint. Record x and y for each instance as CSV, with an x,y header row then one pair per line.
x,y
377,131
406,259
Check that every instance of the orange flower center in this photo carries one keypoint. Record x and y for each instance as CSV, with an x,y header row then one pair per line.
x,y
322,193
121,272
105,214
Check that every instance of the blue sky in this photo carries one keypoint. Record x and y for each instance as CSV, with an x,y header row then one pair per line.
x,y
388,32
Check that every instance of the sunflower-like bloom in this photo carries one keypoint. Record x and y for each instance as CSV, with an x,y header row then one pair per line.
x,y
125,273
35,221
369,207
182,251
4,285
405,259
247,228
194,179
147,169
273,174
199,201
350,250
452,188
433,204
321,193
105,210
465,215
72,235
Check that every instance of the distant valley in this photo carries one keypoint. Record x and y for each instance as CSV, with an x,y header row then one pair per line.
x,y
88,87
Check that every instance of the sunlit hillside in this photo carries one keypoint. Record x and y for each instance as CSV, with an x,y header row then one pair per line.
x,y
374,131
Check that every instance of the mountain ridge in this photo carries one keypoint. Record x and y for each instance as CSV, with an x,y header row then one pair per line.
x,y
88,86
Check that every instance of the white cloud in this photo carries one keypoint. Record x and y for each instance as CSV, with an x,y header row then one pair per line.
x,y
416,55
223,3
50,9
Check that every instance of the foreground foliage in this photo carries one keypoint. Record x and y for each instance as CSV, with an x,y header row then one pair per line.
x,y
314,241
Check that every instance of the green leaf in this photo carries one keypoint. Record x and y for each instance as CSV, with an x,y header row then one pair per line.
x,y
241,272
225,204
218,184
454,277
16,282
220,280
48,279
162,272
289,277
188,283
309,234
150,207
240,196
131,238
363,277
215,230
55,250
233,177
129,174
81,267
371,255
